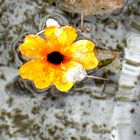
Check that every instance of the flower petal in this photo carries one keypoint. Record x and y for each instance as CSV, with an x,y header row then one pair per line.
x,y
61,80
50,32
64,36
88,61
67,35
37,71
82,52
32,45
82,46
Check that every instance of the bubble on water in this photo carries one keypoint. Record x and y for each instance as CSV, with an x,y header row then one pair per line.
x,y
31,87
133,40
103,16
52,22
132,52
89,30
57,15
16,58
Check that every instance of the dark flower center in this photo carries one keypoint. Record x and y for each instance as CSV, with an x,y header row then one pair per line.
x,y
55,58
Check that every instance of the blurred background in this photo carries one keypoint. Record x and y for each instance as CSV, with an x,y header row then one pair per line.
x,y
93,109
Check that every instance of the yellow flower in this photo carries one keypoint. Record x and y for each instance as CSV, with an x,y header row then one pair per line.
x,y
53,58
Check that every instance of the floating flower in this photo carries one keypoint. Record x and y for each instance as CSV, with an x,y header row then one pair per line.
x,y
57,59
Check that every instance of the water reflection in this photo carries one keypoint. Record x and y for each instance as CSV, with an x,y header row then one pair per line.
x,y
92,109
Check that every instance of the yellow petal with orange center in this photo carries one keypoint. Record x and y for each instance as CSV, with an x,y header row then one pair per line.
x,y
37,71
82,52
50,32
32,45
61,80
61,36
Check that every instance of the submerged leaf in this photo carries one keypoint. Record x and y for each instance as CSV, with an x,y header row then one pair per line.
x,y
105,57
90,7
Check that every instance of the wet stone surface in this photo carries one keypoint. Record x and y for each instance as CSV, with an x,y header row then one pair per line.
x,y
92,109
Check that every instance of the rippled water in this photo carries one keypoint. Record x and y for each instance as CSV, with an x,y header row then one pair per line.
x,y
92,109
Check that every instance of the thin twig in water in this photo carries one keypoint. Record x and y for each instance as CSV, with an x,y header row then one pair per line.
x,y
99,78
40,32
82,22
